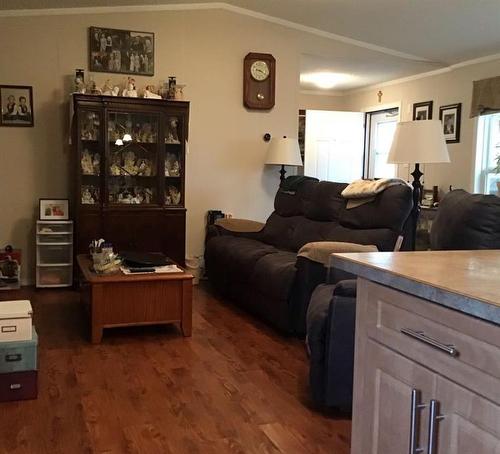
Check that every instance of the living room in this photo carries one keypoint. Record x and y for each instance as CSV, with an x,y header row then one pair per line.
x,y
235,383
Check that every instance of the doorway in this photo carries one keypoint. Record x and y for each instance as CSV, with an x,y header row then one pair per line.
x,y
380,128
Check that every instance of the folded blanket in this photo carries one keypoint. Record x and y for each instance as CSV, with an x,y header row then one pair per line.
x,y
320,251
240,225
360,192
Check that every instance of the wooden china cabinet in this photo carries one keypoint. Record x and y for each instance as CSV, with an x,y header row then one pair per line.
x,y
130,173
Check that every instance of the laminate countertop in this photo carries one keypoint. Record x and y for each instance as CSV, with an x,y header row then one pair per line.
x,y
467,281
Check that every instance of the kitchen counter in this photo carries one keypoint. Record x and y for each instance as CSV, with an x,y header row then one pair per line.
x,y
467,281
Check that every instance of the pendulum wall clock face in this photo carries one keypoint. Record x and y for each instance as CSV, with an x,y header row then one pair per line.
x,y
259,79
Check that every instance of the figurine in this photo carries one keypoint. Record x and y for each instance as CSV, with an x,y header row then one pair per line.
x,y
130,91
172,82
107,89
176,169
172,196
79,81
115,91
179,93
149,92
144,168
86,163
115,168
87,198
96,164
129,166
172,136
146,133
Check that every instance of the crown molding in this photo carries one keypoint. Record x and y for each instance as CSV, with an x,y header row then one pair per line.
x,y
209,6
435,72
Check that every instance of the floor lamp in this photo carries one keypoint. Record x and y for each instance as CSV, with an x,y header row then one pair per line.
x,y
421,142
284,152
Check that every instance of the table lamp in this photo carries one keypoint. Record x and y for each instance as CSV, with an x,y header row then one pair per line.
x,y
284,152
421,142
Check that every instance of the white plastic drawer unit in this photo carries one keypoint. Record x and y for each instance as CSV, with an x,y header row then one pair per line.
x,y
54,227
54,276
15,321
54,238
54,254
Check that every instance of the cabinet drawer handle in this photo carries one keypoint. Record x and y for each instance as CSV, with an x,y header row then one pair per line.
x,y
12,358
416,406
434,417
422,337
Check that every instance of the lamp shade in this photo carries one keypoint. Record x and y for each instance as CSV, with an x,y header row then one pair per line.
x,y
284,151
419,141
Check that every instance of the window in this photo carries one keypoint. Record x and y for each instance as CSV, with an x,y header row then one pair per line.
x,y
379,135
488,149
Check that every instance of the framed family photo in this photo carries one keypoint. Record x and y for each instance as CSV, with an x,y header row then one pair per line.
x,y
450,117
17,105
54,209
422,110
121,51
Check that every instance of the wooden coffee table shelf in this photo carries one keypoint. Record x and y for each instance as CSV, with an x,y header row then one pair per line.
x,y
140,299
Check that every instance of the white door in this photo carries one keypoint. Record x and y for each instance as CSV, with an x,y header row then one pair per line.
x,y
380,134
334,145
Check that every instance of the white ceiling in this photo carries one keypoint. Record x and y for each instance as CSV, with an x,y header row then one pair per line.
x,y
418,35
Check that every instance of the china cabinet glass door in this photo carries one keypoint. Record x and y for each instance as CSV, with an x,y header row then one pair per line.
x,y
91,155
132,161
174,161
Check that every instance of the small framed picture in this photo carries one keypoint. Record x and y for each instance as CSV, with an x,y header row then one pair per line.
x,y
428,198
17,105
422,110
121,51
450,117
54,209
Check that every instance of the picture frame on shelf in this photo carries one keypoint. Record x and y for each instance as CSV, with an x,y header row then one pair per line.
x,y
121,51
17,105
450,116
54,209
422,110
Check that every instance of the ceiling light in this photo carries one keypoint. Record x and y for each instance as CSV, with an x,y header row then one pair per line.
x,y
119,142
325,79
127,138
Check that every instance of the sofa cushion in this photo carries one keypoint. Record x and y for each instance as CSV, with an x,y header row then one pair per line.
x,y
466,221
279,231
274,273
390,209
292,203
237,256
326,202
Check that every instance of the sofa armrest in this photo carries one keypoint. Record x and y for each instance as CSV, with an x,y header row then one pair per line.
x,y
330,339
320,251
239,225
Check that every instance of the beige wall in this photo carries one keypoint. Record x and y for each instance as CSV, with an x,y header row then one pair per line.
x,y
320,102
205,50
448,88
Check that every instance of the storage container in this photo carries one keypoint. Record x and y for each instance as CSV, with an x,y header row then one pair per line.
x,y
15,321
48,238
19,356
54,276
54,254
10,270
54,226
18,386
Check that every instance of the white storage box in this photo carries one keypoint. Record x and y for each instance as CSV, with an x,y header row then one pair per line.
x,y
15,321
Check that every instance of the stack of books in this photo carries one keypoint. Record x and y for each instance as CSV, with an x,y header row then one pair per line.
x,y
18,352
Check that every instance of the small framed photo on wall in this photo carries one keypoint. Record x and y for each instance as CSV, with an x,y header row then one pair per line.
x,y
17,105
54,209
422,110
450,117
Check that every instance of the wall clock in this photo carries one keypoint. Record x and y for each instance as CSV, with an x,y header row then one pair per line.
x,y
259,79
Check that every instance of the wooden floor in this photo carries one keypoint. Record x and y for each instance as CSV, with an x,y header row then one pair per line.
x,y
234,387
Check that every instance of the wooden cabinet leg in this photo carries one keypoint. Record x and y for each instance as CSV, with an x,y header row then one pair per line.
x,y
187,307
96,334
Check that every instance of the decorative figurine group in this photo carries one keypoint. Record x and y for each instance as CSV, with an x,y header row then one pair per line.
x,y
132,196
172,165
90,195
91,164
172,135
172,195
132,166
90,127
169,90
140,133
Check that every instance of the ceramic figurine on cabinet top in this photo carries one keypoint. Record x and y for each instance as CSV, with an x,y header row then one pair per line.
x,y
79,81
130,91
149,92
179,93
107,89
115,91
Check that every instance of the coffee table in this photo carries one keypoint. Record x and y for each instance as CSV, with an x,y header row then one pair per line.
x,y
138,299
